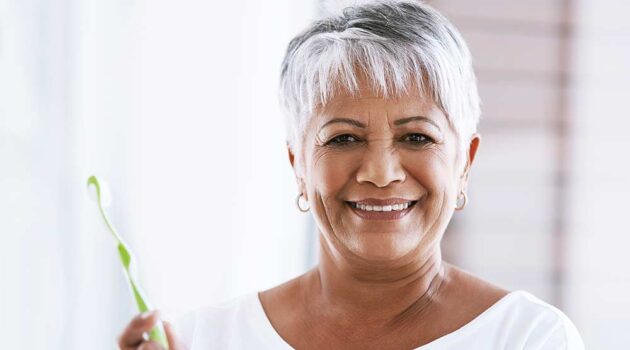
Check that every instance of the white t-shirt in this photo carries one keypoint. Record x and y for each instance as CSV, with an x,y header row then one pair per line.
x,y
519,320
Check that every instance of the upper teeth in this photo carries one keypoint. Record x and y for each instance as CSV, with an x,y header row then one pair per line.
x,y
366,207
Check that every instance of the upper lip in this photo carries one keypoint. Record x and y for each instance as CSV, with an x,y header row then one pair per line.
x,y
381,202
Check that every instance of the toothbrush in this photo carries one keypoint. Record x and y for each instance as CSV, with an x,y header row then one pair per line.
x,y
129,265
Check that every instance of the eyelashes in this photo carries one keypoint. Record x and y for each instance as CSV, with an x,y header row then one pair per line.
x,y
419,139
345,140
342,140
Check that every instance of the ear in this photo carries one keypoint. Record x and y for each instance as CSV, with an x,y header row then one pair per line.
x,y
291,156
296,171
475,140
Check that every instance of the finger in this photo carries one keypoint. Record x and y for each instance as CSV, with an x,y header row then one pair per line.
x,y
173,341
150,345
133,335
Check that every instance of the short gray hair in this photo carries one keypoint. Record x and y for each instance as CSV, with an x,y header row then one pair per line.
x,y
395,43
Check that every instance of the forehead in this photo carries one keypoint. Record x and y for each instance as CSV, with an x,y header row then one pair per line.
x,y
368,106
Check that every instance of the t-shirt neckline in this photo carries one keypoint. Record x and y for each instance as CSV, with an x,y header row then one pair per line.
x,y
272,337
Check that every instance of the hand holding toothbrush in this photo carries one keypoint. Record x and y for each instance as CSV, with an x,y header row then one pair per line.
x,y
133,337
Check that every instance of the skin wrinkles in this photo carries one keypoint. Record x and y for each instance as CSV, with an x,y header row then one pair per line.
x,y
380,144
381,149
420,307
376,282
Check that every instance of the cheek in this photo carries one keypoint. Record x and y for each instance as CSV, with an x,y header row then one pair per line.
x,y
330,172
431,169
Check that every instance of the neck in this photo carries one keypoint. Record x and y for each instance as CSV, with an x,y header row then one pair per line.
x,y
379,294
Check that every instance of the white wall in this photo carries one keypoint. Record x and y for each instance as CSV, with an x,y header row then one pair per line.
x,y
216,188
599,259
174,103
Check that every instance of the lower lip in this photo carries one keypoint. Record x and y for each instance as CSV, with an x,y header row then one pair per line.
x,y
381,215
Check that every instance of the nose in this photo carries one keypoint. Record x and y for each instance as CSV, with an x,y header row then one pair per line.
x,y
380,166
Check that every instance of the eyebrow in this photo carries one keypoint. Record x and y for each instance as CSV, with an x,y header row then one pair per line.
x,y
398,122
353,122
417,118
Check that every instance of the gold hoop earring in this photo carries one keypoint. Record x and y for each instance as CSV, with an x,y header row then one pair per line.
x,y
465,201
297,202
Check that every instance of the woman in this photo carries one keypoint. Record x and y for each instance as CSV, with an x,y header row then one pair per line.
x,y
382,112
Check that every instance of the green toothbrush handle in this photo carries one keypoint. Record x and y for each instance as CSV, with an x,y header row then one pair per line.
x,y
158,335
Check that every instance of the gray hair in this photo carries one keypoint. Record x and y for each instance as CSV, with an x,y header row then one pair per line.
x,y
395,43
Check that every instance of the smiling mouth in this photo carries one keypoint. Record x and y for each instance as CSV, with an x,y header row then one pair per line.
x,y
389,213
382,208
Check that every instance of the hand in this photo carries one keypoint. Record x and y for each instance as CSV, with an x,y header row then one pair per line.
x,y
132,338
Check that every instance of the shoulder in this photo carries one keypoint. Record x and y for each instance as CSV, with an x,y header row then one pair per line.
x,y
542,325
513,319
519,320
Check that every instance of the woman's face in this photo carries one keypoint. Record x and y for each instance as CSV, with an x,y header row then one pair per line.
x,y
362,153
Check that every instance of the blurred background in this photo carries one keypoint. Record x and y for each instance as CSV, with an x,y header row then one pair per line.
x,y
175,104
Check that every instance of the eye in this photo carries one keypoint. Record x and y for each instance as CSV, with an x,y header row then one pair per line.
x,y
417,139
342,140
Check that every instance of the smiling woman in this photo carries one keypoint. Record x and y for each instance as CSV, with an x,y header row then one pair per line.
x,y
382,111
395,151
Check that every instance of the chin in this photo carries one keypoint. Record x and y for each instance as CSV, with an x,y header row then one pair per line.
x,y
383,246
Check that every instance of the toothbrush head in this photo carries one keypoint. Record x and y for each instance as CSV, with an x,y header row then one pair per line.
x,y
99,191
